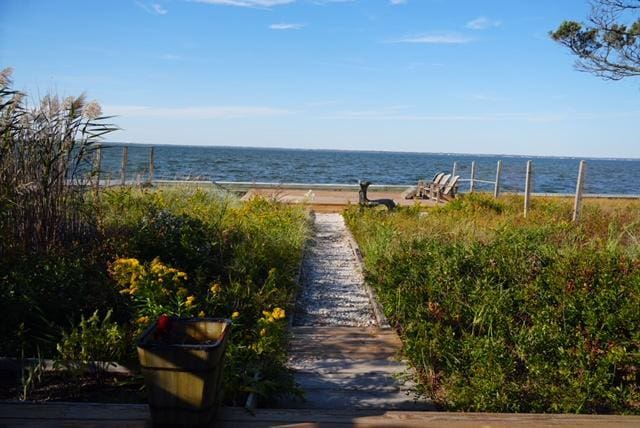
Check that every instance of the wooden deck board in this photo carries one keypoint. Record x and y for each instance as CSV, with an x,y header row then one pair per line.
x,y
13,414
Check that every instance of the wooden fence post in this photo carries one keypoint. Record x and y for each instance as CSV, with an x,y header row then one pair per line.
x,y
123,170
455,169
473,176
577,204
527,188
151,164
98,165
496,190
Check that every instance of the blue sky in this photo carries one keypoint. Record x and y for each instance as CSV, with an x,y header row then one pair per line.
x,y
463,76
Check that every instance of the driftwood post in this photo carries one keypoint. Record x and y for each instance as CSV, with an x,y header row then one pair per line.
x,y
151,164
527,188
496,190
98,165
473,176
577,204
455,169
123,170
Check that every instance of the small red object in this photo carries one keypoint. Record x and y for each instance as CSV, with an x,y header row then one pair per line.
x,y
163,325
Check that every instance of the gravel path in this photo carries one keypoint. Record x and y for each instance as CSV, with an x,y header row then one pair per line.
x,y
332,282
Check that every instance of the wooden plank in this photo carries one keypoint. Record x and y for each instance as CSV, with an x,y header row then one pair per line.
x,y
18,414
376,381
359,399
347,366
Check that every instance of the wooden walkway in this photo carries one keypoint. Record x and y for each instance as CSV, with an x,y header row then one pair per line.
x,y
137,415
350,368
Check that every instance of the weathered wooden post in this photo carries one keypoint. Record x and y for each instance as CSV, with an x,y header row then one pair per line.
x,y
151,164
577,204
98,165
455,169
496,190
123,170
527,188
473,176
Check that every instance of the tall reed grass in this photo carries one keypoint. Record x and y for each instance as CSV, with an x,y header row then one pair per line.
x,y
45,163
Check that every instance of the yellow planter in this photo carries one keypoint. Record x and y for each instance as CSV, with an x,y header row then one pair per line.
x,y
183,369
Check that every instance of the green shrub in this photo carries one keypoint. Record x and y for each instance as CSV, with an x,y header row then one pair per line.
x,y
498,313
92,345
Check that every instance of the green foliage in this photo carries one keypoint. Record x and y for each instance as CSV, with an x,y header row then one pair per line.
x,y
92,346
609,45
501,313
191,252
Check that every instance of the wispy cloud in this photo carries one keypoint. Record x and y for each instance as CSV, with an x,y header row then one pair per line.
x,y
246,3
442,38
482,23
206,112
394,114
286,26
171,57
153,8
397,2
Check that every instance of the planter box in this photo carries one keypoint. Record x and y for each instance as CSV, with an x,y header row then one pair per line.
x,y
183,369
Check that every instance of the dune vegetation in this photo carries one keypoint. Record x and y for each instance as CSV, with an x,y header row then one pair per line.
x,y
502,313
83,269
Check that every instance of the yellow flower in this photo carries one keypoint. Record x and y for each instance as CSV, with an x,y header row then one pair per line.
x,y
235,315
143,320
190,301
215,288
201,314
182,291
266,314
278,313
182,275
271,319
263,332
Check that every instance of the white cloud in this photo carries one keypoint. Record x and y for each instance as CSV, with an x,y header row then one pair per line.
x,y
446,38
159,9
396,2
286,26
482,23
246,3
153,8
171,57
206,112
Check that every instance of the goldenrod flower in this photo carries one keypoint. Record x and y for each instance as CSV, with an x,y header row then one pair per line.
x,y
215,288
235,315
263,332
266,314
143,320
278,313
201,314
190,301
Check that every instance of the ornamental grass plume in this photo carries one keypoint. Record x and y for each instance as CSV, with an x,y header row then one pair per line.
x,y
46,155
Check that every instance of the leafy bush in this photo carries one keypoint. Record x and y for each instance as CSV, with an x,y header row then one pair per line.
x,y
499,313
223,259
92,346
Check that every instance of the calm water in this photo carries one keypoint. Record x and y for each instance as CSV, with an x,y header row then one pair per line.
x,y
551,174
